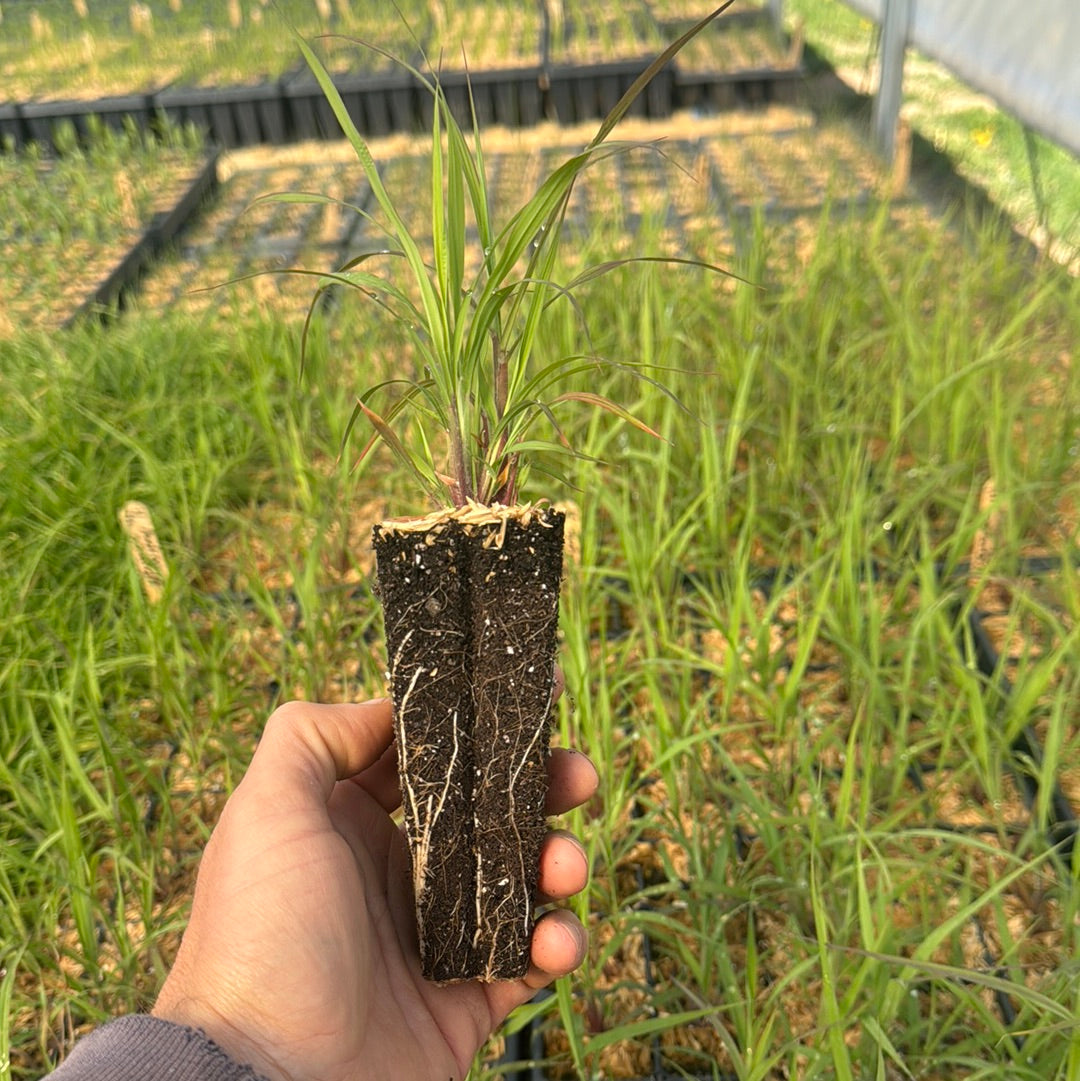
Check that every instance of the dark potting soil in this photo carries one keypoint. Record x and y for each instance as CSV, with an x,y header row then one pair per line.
x,y
471,613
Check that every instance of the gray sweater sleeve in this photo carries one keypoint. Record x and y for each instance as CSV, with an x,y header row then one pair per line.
x,y
143,1048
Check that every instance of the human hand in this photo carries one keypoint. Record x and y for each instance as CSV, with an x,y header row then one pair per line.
x,y
300,957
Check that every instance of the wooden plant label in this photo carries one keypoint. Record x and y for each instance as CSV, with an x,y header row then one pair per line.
x,y
145,549
471,603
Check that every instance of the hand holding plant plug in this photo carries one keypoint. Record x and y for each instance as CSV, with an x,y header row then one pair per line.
x,y
301,958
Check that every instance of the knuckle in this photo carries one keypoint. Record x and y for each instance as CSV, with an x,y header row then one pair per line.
x,y
289,715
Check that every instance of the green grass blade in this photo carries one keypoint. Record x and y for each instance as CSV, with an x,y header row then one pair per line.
x,y
647,76
456,184
600,402
435,315
411,461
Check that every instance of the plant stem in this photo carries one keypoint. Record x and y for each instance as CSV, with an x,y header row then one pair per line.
x,y
505,472
460,488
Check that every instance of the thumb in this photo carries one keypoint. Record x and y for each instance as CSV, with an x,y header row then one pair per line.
x,y
306,748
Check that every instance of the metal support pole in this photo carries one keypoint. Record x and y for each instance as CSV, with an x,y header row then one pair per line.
x,y
895,27
775,8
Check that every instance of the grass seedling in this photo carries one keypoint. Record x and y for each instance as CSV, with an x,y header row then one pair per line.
x,y
473,321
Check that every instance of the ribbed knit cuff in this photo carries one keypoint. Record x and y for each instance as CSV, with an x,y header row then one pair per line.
x,y
139,1047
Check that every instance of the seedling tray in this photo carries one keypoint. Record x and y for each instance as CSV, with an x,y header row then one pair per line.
x,y
490,36
992,635
42,118
231,116
76,233
557,70
114,290
234,260
577,93
378,104
511,97
706,204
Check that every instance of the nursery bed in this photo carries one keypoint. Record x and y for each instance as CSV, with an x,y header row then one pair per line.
x,y
74,240
546,62
233,261
672,933
676,933
706,188
684,938
703,180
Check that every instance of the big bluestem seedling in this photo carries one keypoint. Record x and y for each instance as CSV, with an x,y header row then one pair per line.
x,y
475,331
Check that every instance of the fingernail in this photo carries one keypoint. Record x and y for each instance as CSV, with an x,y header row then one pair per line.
x,y
566,835
578,937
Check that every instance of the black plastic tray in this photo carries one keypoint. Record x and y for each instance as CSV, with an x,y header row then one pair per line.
x,y
378,104
577,93
230,116
1027,751
513,97
294,108
732,90
12,131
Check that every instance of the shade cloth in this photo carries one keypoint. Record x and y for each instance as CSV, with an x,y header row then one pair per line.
x,y
1025,54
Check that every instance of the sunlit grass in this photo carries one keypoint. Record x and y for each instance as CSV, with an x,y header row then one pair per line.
x,y
49,51
809,849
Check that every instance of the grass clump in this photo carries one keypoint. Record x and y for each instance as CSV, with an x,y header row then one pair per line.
x,y
805,766
474,304
126,724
